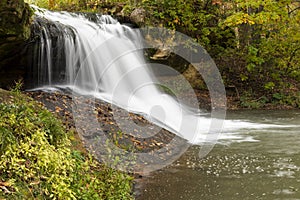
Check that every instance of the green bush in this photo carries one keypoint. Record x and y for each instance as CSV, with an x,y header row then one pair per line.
x,y
37,161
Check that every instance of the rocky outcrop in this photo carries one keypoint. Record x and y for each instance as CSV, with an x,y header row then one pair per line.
x,y
138,16
15,20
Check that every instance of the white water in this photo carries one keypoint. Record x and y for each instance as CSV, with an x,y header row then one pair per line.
x,y
102,61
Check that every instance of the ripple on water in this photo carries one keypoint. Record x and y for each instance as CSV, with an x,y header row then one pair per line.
x,y
285,167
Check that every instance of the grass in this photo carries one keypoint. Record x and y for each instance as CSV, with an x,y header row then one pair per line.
x,y
40,160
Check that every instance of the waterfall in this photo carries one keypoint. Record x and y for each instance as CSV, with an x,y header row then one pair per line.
x,y
98,56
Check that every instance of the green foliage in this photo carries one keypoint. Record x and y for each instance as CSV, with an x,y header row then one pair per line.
x,y
34,151
17,88
194,18
254,43
267,34
77,5
95,181
247,101
40,3
121,153
37,162
269,85
70,5
286,99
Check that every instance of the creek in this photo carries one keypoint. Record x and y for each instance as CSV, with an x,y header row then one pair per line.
x,y
248,163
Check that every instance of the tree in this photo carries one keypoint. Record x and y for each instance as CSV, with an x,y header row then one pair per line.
x,y
268,35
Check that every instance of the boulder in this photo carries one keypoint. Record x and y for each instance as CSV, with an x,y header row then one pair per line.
x,y
138,16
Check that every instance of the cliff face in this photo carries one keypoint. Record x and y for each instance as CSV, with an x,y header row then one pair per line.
x,y
15,17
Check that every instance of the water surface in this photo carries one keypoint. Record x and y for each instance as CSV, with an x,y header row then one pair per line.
x,y
249,162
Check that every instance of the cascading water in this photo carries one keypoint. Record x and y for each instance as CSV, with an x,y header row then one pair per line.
x,y
101,57
98,56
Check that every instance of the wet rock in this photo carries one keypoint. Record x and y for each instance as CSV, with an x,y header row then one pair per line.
x,y
165,51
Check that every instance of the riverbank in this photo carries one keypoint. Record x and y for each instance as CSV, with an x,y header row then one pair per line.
x,y
40,159
61,105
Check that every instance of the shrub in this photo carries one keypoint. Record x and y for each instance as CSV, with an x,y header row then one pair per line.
x,y
37,161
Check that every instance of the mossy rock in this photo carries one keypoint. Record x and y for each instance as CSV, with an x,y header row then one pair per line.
x,y
15,20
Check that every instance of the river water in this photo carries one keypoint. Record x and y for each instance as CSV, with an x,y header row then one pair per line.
x,y
251,163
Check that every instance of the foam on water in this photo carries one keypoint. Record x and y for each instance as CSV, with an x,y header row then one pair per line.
x,y
240,131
